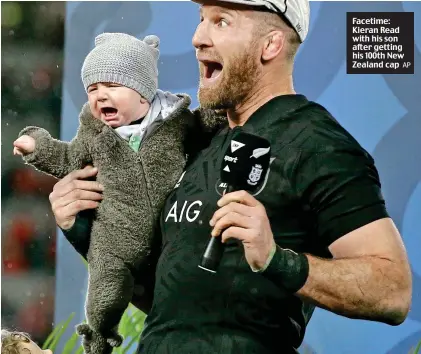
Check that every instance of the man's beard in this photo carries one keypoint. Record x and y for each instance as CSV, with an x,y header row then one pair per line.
x,y
237,81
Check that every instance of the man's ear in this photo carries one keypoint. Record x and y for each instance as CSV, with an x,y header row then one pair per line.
x,y
274,44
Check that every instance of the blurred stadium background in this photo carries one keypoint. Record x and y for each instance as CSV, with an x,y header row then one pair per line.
x,y
32,37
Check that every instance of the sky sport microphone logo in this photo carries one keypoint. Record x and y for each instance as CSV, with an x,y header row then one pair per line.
x,y
230,159
235,145
245,162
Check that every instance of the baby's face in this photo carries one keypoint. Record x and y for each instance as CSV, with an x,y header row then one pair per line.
x,y
116,105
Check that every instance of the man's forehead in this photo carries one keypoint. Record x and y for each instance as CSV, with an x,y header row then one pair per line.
x,y
295,13
223,6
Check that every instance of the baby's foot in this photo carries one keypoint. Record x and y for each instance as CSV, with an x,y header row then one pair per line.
x,y
115,339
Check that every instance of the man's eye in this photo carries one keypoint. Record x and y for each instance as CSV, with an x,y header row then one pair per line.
x,y
222,23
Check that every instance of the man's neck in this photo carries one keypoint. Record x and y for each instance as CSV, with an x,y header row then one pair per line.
x,y
266,89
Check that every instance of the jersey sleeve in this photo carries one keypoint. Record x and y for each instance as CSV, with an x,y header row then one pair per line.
x,y
341,188
79,234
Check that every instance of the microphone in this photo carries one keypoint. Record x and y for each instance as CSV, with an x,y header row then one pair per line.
x,y
244,167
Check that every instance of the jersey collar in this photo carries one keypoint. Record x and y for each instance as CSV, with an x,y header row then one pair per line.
x,y
272,111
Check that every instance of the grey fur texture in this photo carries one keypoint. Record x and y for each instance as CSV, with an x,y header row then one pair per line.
x,y
136,185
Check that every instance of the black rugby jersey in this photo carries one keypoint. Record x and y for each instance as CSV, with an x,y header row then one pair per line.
x,y
321,185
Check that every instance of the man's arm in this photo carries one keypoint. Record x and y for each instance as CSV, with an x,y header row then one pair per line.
x,y
369,277
79,234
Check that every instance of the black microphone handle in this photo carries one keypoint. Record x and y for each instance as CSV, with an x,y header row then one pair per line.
x,y
213,255
214,250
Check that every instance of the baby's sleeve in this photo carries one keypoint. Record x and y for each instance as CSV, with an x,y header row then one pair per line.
x,y
55,157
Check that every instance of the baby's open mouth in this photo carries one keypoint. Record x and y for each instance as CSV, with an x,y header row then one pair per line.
x,y
109,112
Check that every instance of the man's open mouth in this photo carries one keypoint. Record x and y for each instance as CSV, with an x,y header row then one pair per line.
x,y
212,70
109,112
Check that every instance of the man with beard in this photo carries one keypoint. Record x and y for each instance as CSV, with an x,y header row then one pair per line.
x,y
318,234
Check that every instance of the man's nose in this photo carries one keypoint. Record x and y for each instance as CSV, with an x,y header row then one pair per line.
x,y
201,37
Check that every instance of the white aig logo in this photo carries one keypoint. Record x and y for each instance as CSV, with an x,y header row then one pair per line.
x,y
189,211
255,174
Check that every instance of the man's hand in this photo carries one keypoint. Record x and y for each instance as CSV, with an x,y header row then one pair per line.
x,y
24,145
72,195
245,219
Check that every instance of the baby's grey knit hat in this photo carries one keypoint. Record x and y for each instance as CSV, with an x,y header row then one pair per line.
x,y
123,59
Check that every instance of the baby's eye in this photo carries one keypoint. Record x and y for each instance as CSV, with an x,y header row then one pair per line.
x,y
91,89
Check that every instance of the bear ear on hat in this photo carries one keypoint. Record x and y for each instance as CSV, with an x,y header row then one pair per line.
x,y
152,41
106,37
103,37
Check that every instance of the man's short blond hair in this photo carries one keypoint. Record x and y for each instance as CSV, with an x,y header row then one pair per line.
x,y
268,21
11,342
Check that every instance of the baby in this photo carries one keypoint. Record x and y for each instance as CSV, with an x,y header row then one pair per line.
x,y
19,343
134,134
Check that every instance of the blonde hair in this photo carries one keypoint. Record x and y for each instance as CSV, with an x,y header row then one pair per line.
x,y
11,342
269,21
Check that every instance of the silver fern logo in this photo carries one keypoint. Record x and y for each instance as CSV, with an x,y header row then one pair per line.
x,y
260,152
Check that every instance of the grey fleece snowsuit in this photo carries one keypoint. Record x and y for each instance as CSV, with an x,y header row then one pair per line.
x,y
136,185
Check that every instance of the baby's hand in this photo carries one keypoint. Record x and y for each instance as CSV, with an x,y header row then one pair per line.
x,y
24,145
